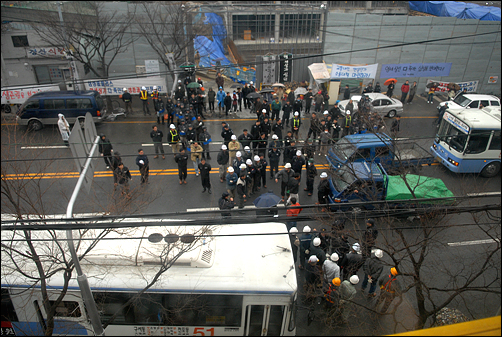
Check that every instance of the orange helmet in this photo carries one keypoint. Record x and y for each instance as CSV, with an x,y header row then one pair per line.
x,y
336,281
393,271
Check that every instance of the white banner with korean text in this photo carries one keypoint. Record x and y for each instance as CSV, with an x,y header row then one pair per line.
x,y
133,85
470,86
346,71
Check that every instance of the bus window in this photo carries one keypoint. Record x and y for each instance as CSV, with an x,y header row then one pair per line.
x,y
8,313
275,320
254,319
478,141
452,136
495,143
67,309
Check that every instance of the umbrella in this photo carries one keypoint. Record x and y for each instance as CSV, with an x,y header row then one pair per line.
x,y
266,90
393,80
300,91
432,84
193,85
278,85
236,85
253,95
268,199
453,86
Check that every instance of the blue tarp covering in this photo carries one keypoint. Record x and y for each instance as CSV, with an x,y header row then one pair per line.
x,y
459,10
212,50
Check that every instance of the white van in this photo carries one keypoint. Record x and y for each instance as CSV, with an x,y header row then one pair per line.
x,y
472,101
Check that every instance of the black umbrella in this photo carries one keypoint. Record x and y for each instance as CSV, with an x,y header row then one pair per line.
x,y
432,84
253,95
236,85
267,200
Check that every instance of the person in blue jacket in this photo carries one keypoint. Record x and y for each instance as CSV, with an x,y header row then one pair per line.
x,y
220,96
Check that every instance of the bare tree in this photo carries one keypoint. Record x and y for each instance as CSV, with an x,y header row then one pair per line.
x,y
168,28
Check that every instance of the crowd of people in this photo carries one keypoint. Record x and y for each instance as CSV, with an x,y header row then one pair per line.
x,y
331,264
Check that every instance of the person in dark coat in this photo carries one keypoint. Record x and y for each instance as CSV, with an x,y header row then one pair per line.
x,y
227,101
352,261
390,288
116,160
277,128
369,237
211,98
308,100
305,240
127,98
394,128
377,87
286,112
204,169
311,174
182,159
346,93
256,132
274,156
105,148
390,89
240,190
144,168
372,270
323,191
245,139
121,176
226,203
157,136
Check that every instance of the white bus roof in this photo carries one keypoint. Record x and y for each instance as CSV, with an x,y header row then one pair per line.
x,y
243,264
486,118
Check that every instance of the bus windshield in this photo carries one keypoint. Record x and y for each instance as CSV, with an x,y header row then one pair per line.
x,y
452,136
343,149
462,101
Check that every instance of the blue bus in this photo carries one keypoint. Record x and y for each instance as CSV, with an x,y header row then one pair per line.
x,y
468,141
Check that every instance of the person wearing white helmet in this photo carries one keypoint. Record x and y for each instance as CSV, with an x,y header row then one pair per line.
x,y
347,122
296,122
305,240
298,162
127,98
173,137
143,96
121,176
143,165
231,180
238,161
295,242
257,176
347,293
352,261
156,99
315,249
222,159
330,270
285,175
312,274
250,176
233,147
372,268
323,191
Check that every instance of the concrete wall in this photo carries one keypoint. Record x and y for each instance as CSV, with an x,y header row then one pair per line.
x,y
473,58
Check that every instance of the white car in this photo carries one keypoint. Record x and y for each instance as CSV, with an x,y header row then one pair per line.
x,y
471,101
382,104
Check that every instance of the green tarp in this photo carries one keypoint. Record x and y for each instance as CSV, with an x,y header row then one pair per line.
x,y
423,187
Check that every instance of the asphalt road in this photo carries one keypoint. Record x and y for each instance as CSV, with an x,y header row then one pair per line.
x,y
164,194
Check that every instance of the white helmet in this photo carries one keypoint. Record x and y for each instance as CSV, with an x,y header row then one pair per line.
x,y
124,90
172,126
154,87
334,257
247,148
251,82
298,153
275,137
356,247
316,242
143,88
238,154
223,147
313,259
306,229
379,253
326,112
243,166
324,175
234,137
179,81
231,169
293,230
263,110
347,112
141,162
256,158
354,279
297,113
249,162
288,165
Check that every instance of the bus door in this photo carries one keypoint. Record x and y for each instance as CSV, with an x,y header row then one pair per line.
x,y
265,320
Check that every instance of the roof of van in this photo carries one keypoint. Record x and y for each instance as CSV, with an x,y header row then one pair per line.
x,y
480,97
51,94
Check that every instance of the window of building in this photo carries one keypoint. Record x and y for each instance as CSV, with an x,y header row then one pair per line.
x,y
300,25
261,26
20,41
49,74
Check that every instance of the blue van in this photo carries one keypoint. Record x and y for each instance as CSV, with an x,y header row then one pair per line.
x,y
43,108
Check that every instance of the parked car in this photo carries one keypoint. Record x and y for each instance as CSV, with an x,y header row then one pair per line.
x,y
471,101
43,108
382,104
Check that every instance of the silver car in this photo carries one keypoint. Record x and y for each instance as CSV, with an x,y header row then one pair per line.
x,y
382,104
